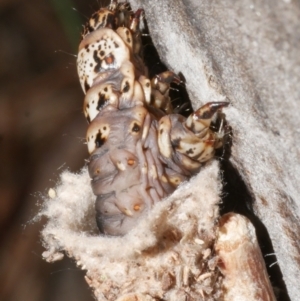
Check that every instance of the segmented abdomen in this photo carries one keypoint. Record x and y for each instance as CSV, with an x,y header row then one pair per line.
x,y
139,155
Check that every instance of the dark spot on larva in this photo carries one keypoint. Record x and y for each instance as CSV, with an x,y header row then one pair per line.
x,y
189,152
88,105
91,65
175,142
127,32
161,131
101,101
199,155
206,115
116,44
136,127
147,84
128,40
102,53
104,128
90,28
86,85
97,61
126,87
99,141
105,89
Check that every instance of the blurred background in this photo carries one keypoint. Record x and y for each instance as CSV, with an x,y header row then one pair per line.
x,y
42,130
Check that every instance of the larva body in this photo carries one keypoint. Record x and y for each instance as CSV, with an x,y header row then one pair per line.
x,y
139,151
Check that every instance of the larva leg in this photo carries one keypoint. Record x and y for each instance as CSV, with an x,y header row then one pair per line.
x,y
188,143
160,87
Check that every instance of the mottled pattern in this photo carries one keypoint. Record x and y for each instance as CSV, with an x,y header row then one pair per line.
x,y
140,151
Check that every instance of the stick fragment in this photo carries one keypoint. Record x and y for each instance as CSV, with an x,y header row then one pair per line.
x,y
241,261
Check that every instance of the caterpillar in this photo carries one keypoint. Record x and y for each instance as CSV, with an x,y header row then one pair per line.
x,y
140,149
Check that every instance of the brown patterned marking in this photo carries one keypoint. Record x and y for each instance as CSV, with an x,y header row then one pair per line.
x,y
97,61
189,152
101,101
99,141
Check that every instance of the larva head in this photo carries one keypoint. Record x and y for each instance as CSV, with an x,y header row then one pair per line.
x,y
99,97
116,14
100,54
97,135
100,19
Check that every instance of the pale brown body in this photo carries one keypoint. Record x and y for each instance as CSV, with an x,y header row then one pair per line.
x,y
139,151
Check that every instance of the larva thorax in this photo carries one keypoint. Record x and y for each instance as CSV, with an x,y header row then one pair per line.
x,y
139,154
